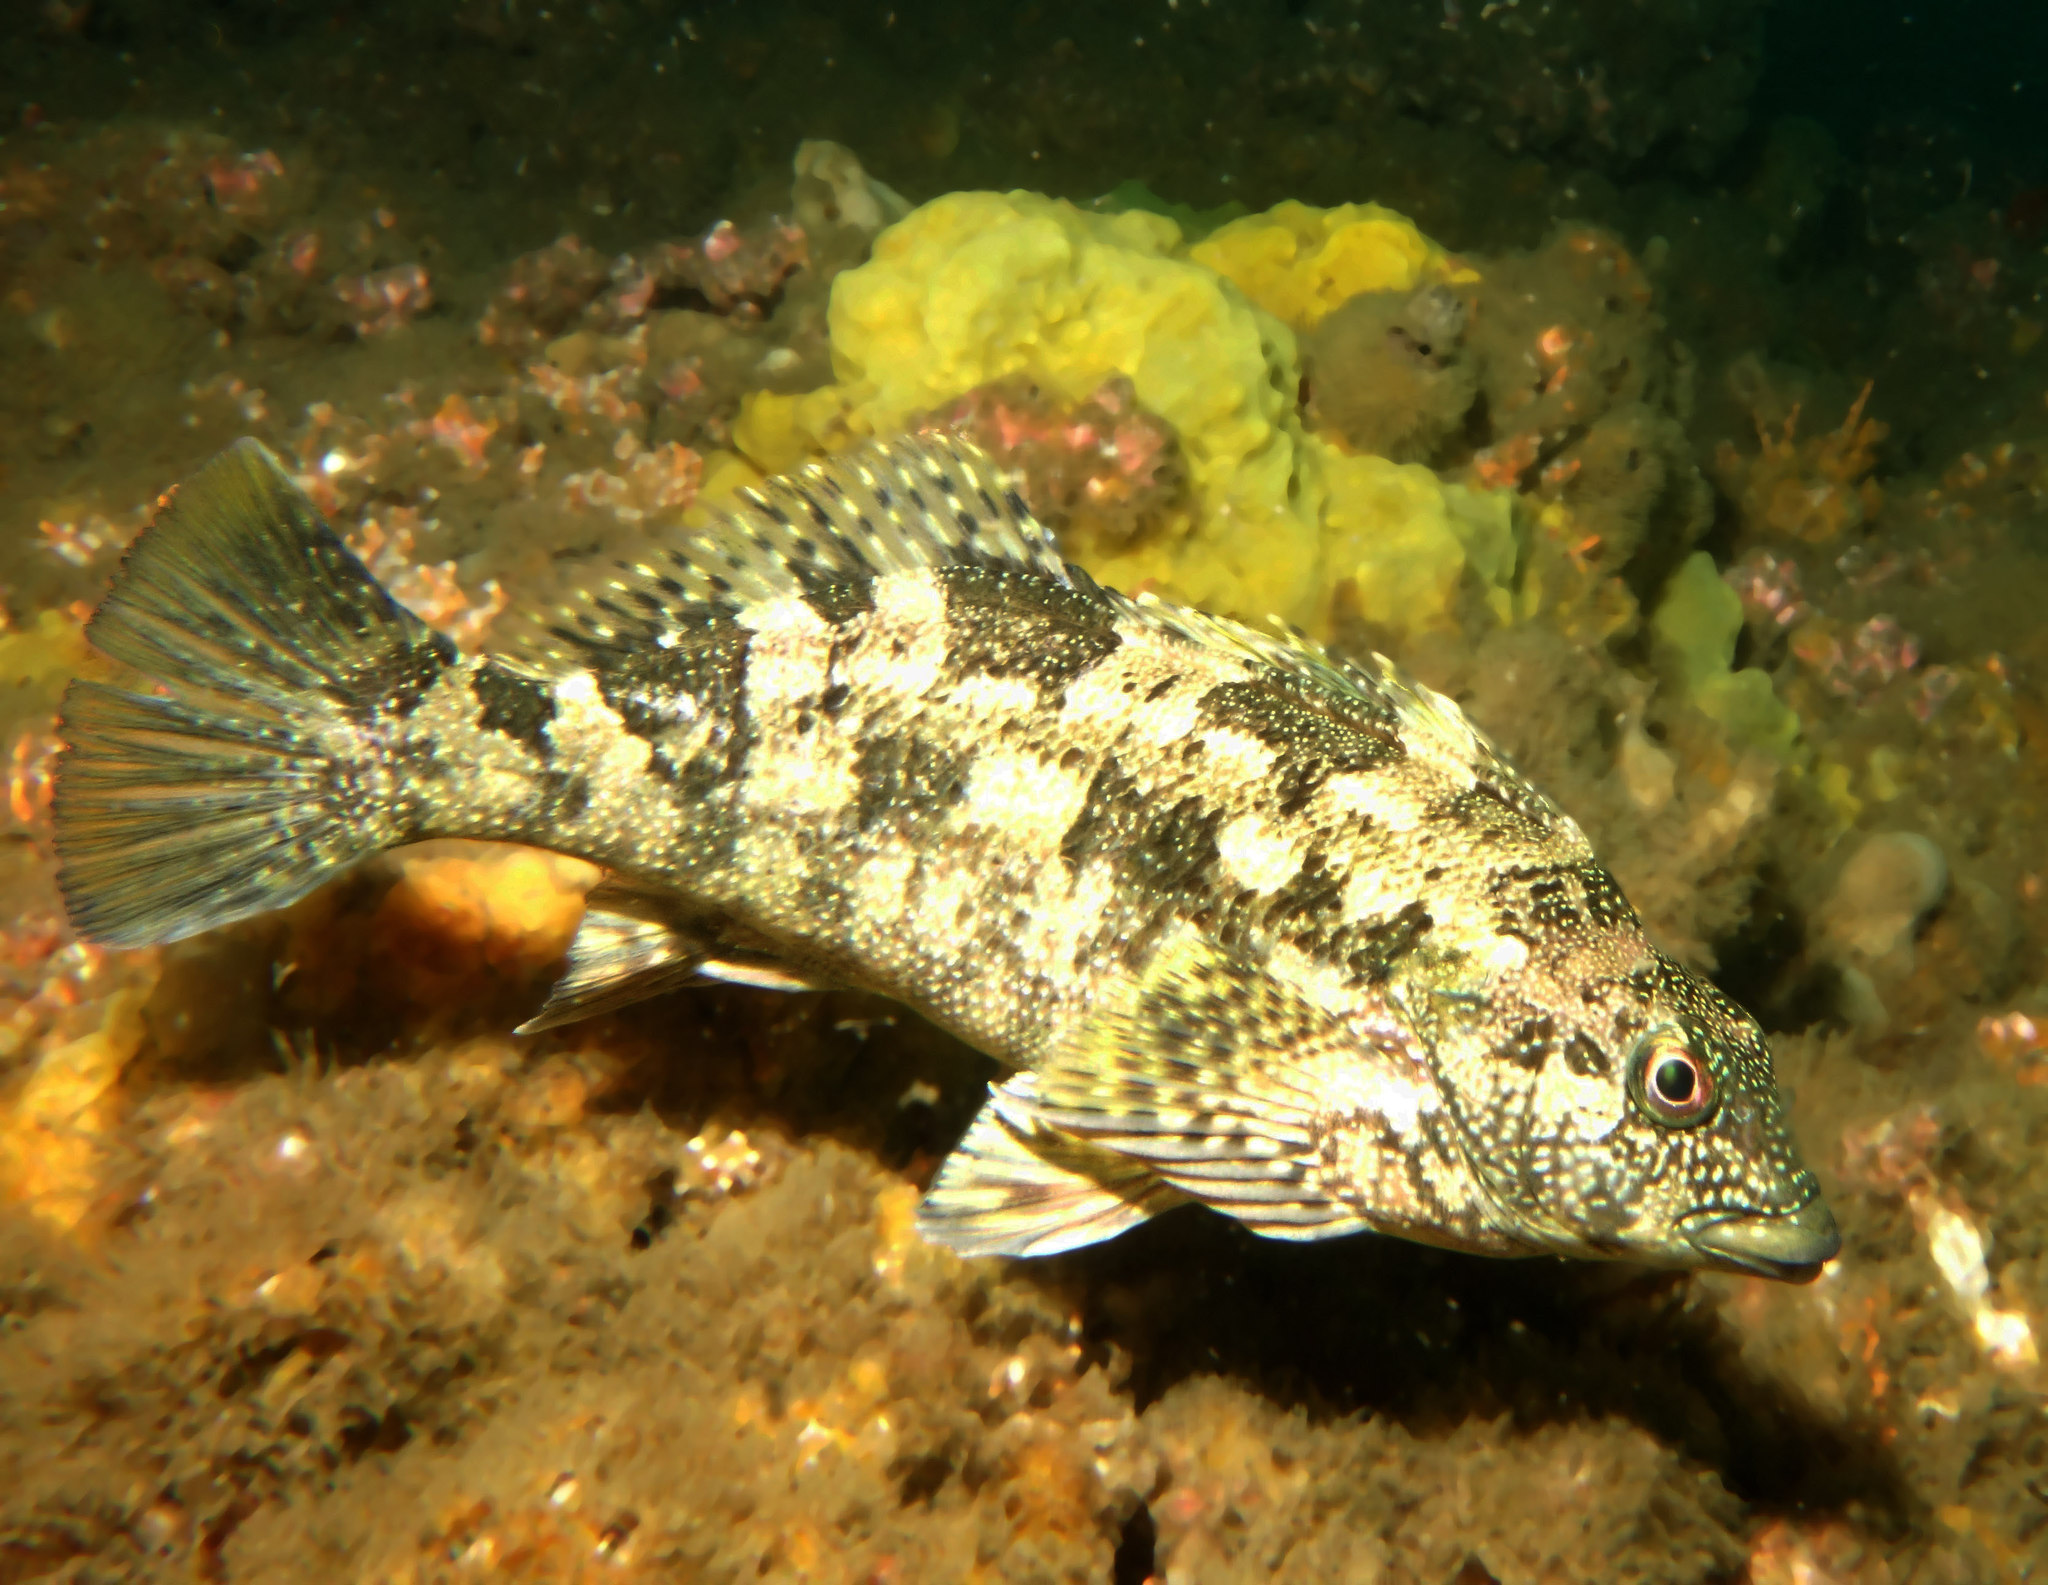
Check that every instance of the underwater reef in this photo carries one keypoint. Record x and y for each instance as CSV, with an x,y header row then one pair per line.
x,y
1700,454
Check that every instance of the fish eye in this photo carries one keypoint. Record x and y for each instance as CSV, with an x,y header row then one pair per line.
x,y
1670,1080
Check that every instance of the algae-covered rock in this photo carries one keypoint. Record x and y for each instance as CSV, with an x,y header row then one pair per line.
x,y
832,190
1254,1491
1387,372
1883,892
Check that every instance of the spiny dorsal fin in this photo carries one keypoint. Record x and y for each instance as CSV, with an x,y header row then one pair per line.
x,y
1290,650
1012,1187
1225,1081
916,501
1423,717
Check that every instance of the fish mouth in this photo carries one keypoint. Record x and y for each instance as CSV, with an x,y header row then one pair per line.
x,y
1789,1246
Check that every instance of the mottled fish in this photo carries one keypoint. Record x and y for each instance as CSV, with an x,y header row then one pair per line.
x,y
1252,925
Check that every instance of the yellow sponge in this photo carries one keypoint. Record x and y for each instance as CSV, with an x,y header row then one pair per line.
x,y
1298,262
975,287
1397,540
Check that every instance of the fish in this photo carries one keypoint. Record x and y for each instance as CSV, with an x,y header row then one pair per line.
x,y
1247,923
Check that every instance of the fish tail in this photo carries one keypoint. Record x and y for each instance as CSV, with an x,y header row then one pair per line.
x,y
251,772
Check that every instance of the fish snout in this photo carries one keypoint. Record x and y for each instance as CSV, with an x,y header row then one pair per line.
x,y
1790,1246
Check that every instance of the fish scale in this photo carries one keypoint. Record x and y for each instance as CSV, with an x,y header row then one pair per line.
x,y
1254,926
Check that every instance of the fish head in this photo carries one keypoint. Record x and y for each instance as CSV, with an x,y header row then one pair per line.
x,y
1619,1105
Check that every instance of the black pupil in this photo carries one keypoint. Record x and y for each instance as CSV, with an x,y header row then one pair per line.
x,y
1676,1082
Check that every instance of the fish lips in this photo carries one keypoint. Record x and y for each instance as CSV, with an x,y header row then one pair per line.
x,y
1788,1245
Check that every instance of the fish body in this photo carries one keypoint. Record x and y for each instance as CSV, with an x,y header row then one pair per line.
x,y
1251,925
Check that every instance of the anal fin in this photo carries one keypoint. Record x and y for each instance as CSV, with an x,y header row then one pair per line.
x,y
762,974
630,947
1012,1187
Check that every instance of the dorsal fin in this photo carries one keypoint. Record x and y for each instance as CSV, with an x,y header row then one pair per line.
x,y
1424,718
1289,650
915,501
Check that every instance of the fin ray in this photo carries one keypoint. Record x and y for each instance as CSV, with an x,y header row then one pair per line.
x,y
239,786
1375,684
911,502
616,958
1214,1075
631,948
1013,1188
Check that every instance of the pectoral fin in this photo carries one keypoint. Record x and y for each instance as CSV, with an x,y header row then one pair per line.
x,y
1234,1088
1013,1187
630,948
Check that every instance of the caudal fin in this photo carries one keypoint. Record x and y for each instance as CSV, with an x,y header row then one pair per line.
x,y
250,774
